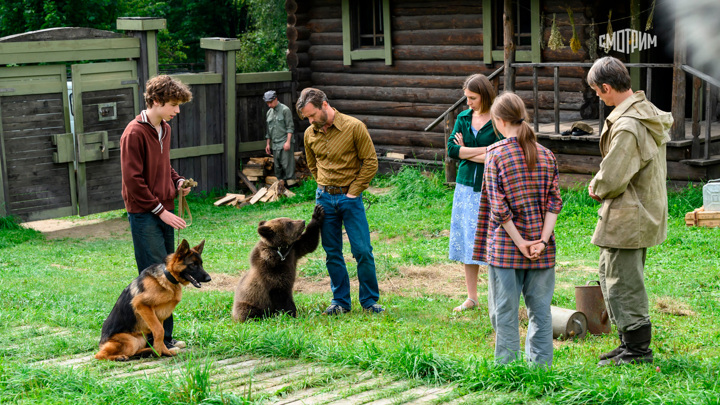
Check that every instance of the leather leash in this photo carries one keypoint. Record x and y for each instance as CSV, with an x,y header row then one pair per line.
x,y
183,205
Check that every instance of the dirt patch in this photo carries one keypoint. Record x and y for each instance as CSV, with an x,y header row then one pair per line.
x,y
90,229
672,306
414,281
378,190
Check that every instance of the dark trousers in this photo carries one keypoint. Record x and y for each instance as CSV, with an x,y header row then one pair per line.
x,y
153,240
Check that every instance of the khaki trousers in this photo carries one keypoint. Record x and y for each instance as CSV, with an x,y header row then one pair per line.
x,y
623,286
284,163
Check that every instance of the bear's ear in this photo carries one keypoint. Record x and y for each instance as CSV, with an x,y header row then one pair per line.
x,y
266,231
262,223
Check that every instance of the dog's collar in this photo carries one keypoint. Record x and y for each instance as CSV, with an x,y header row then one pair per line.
x,y
169,276
283,256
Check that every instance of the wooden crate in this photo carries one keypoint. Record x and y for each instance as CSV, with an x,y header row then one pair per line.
x,y
700,217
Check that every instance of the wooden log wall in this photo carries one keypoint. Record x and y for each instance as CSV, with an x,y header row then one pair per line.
x,y
199,124
436,45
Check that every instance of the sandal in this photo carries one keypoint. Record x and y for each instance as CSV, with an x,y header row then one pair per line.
x,y
464,307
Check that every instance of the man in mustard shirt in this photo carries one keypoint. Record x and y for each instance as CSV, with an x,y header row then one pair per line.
x,y
342,158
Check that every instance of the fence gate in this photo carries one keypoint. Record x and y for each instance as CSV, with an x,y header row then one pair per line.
x,y
104,101
36,146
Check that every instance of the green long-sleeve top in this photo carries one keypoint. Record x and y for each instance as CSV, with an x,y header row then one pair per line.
x,y
279,125
470,173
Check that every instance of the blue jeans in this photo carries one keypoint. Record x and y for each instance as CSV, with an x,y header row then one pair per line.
x,y
153,240
339,210
504,288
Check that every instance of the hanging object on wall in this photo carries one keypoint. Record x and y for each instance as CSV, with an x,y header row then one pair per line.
x,y
574,41
608,41
649,24
555,41
592,43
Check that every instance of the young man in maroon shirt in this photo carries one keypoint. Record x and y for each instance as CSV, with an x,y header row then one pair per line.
x,y
149,183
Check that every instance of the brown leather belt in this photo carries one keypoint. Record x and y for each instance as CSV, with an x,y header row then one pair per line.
x,y
334,189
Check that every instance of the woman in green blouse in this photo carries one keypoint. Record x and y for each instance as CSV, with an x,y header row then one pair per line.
x,y
472,134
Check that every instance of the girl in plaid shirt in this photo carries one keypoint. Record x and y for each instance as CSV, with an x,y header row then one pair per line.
x,y
519,205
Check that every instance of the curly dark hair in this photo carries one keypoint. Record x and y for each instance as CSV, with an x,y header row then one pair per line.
x,y
164,89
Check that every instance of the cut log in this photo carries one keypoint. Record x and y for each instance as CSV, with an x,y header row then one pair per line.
x,y
258,161
260,193
398,156
247,182
225,200
253,171
267,197
253,178
288,193
271,179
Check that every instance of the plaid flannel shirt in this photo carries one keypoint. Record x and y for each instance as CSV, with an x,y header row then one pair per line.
x,y
512,192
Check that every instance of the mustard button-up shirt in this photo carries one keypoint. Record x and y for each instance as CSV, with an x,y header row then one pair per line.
x,y
342,156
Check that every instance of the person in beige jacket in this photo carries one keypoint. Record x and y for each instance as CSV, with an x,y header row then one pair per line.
x,y
631,187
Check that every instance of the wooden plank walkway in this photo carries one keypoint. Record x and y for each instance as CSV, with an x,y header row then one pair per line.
x,y
281,381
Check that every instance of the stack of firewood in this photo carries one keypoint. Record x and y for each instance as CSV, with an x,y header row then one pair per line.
x,y
268,193
258,170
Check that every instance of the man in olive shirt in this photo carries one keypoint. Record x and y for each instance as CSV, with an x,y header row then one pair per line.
x,y
279,137
342,158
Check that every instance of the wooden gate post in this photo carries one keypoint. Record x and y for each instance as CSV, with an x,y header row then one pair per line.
x,y
145,29
220,58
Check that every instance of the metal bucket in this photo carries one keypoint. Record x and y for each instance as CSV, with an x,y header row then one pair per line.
x,y
589,300
568,323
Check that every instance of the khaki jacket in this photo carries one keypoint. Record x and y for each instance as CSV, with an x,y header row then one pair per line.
x,y
632,177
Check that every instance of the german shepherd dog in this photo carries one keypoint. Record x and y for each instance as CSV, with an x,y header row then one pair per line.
x,y
147,302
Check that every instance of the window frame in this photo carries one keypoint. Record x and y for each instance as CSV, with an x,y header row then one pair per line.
x,y
349,54
490,55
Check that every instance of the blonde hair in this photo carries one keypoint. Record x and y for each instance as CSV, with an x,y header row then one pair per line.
x,y
510,108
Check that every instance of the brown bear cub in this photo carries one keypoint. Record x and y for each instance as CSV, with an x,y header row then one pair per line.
x,y
150,299
267,288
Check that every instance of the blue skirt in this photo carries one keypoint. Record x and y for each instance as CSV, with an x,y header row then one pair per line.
x,y
463,224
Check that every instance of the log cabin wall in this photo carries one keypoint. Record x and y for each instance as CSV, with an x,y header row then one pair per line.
x,y
436,45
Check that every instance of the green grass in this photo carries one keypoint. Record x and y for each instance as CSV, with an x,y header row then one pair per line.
x,y
68,286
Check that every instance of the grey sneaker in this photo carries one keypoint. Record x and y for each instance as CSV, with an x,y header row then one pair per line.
x,y
374,308
335,309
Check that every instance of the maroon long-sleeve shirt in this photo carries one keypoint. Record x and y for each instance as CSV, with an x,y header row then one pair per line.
x,y
149,183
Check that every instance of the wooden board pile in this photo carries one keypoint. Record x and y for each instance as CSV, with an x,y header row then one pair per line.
x,y
700,217
269,193
259,170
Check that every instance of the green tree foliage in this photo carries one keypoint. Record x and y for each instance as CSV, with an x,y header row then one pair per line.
x,y
260,24
265,43
18,16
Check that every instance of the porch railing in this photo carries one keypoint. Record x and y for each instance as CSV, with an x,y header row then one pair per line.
x,y
702,83
556,86
711,85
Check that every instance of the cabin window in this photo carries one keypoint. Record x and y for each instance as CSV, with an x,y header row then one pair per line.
x,y
366,30
526,21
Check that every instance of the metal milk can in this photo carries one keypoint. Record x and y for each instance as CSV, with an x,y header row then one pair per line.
x,y
568,323
589,300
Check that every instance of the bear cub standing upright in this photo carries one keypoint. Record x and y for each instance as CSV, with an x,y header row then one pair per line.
x,y
267,288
